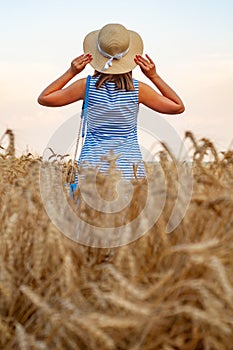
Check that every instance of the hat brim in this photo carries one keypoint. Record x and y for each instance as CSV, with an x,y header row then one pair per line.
x,y
124,65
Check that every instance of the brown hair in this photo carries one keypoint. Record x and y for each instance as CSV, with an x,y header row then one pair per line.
x,y
122,81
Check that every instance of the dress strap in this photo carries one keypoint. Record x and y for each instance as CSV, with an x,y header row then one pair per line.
x,y
85,105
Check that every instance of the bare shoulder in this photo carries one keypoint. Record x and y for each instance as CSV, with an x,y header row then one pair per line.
x,y
144,86
80,86
145,91
75,91
158,102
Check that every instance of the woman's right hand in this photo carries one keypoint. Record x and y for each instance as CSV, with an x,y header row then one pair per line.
x,y
55,95
80,62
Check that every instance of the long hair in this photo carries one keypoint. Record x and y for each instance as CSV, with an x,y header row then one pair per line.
x,y
123,81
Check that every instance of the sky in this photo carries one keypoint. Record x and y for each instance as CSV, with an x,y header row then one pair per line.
x,y
191,43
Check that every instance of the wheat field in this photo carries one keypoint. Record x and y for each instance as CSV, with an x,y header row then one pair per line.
x,y
162,291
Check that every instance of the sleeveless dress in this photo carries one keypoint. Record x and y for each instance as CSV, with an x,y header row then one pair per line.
x,y
111,125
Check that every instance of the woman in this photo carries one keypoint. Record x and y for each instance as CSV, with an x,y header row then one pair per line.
x,y
114,96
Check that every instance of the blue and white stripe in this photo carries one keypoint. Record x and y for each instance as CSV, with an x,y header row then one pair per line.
x,y
112,125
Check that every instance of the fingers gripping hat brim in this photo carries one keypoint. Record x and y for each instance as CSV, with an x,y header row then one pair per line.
x,y
123,65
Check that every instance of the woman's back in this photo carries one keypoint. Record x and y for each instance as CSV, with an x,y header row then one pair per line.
x,y
113,51
112,126
112,110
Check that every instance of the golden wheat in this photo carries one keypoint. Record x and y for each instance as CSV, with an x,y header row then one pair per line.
x,y
159,292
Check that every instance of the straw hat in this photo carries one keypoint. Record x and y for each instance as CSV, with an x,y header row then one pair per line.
x,y
113,48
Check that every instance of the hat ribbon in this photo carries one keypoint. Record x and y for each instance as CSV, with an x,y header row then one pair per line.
x,y
117,56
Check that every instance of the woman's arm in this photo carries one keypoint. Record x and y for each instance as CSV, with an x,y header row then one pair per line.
x,y
56,95
168,102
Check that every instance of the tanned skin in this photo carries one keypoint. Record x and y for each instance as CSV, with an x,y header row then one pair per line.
x,y
167,101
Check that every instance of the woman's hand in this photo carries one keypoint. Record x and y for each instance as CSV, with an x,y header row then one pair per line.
x,y
147,66
79,63
168,102
56,95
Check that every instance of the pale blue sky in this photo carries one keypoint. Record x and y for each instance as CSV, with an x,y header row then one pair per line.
x,y
190,41
37,30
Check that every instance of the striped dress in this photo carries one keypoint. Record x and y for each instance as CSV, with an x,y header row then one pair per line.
x,y
112,126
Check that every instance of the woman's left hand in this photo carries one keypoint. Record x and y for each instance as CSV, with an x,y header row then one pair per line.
x,y
80,62
147,66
